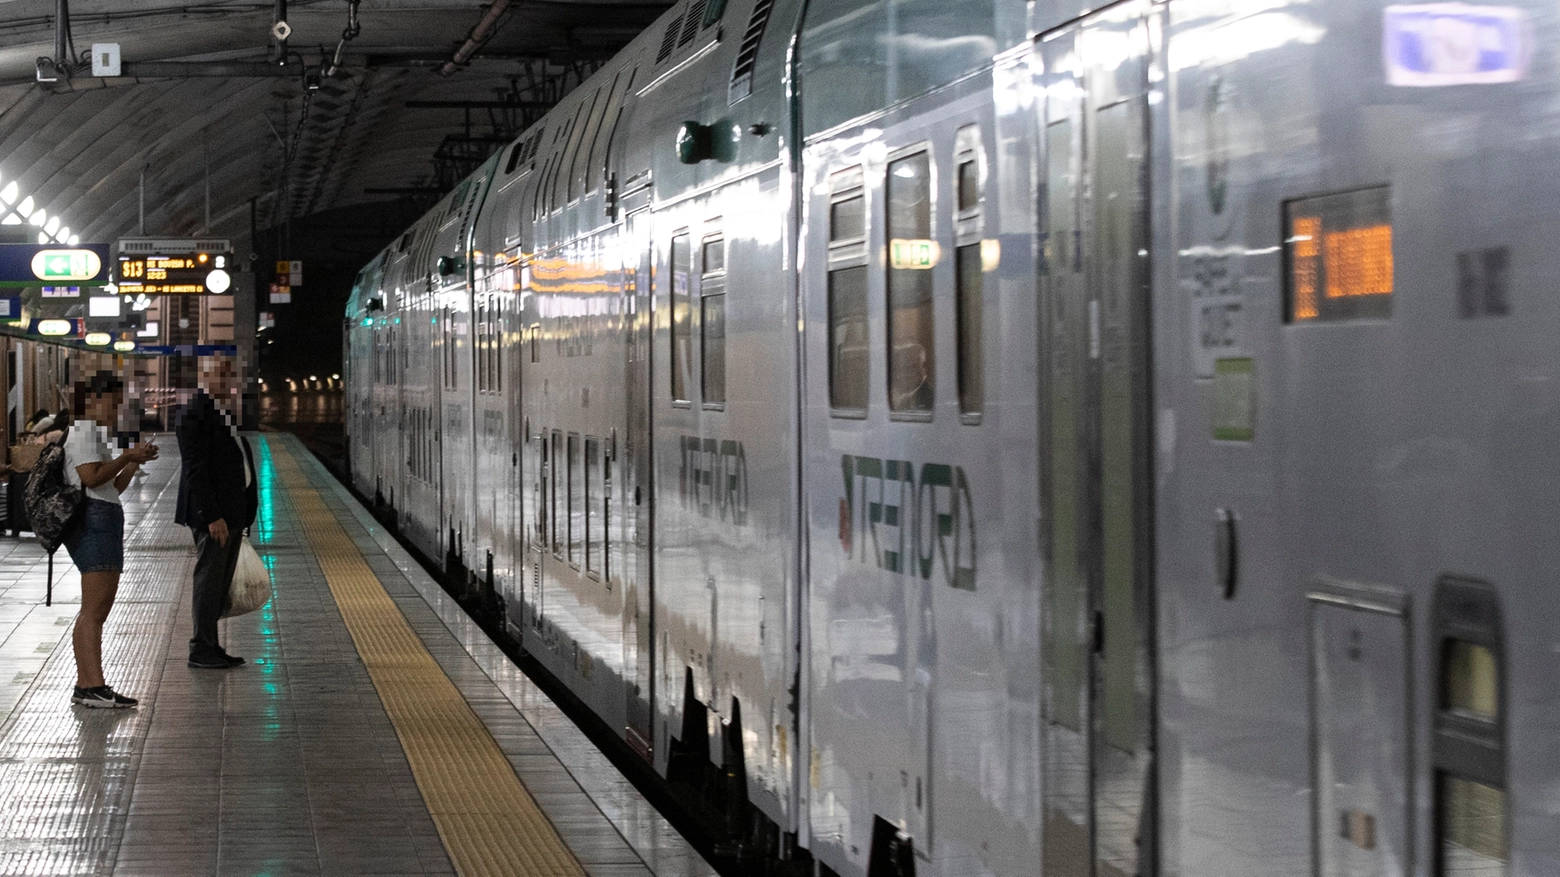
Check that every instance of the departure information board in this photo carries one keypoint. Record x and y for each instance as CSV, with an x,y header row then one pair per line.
x,y
1338,256
192,274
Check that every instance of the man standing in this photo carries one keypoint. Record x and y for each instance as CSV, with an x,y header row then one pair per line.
x,y
218,499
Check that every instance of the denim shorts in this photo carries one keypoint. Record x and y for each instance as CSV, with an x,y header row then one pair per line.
x,y
97,542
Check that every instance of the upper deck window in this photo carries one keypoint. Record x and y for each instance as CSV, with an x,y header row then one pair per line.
x,y
858,57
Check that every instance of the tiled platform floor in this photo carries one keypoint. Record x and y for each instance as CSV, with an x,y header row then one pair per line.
x,y
288,765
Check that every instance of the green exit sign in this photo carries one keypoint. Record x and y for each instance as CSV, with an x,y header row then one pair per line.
x,y
915,254
66,264
53,265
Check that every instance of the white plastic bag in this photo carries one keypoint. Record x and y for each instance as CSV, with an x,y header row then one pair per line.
x,y
251,583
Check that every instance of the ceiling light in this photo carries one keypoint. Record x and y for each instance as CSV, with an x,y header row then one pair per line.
x,y
39,218
63,235
219,281
26,207
75,239
9,193
43,237
52,226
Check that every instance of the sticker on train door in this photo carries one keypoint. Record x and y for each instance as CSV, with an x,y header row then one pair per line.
x,y
1234,400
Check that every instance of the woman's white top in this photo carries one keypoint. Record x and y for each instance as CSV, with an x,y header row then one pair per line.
x,y
88,443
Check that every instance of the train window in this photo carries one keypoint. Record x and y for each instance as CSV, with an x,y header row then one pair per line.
x,y
481,345
682,353
1468,683
561,175
968,277
1338,256
969,183
600,149
592,490
498,348
714,11
712,321
542,515
712,256
604,538
514,157
552,492
535,341
912,364
970,258
848,338
848,218
847,294
853,57
579,164
576,506
1472,820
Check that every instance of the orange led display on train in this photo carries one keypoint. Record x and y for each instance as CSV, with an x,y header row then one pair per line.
x,y
1358,261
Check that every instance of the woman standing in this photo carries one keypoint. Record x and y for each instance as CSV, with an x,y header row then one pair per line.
x,y
97,542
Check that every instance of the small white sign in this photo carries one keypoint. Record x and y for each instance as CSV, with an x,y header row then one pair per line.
x,y
1438,44
295,273
281,298
105,59
103,306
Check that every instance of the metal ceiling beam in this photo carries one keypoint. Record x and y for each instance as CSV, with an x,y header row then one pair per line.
x,y
478,105
195,69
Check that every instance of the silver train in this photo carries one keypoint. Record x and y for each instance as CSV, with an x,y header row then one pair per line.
x,y
1002,438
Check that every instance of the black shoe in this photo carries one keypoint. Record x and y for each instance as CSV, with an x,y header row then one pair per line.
x,y
102,697
233,660
219,662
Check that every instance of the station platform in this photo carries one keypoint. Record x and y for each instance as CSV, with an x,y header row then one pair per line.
x,y
375,730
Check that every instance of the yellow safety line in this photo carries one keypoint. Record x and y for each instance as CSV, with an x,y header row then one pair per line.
x,y
488,821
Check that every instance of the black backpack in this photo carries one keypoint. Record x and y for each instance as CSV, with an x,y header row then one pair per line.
x,y
53,504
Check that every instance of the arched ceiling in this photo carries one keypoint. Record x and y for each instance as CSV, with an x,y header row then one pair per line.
x,y
81,146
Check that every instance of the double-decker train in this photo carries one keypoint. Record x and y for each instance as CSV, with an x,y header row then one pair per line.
x,y
1001,438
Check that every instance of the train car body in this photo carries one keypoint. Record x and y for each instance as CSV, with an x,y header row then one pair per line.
x,y
1001,438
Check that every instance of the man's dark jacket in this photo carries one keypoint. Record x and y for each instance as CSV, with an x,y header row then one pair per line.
x,y
211,472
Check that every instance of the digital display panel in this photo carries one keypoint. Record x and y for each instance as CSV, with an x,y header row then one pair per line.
x,y
1338,256
173,275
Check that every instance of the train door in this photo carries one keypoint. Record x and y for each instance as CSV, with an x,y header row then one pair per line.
x,y
638,572
1099,790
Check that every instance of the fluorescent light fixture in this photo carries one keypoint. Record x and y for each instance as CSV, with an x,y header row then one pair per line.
x,y
103,306
63,235
43,237
74,240
149,331
26,207
9,193
124,346
40,217
98,339
53,225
